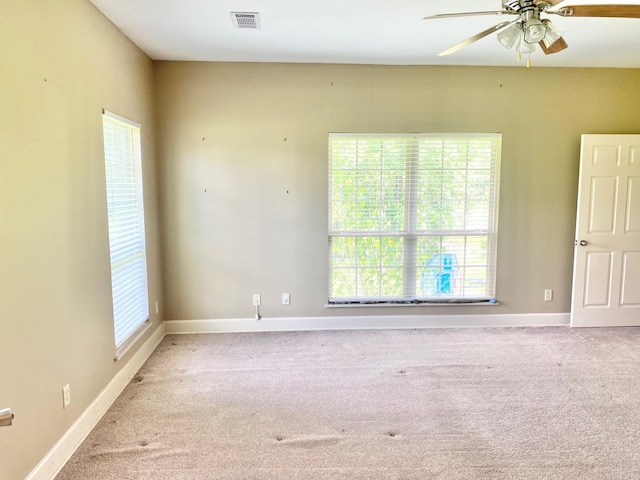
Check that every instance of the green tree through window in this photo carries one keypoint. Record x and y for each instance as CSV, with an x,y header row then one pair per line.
x,y
412,217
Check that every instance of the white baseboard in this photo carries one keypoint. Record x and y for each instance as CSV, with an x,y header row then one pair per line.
x,y
365,322
60,453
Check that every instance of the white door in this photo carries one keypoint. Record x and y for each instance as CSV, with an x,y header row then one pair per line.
x,y
606,273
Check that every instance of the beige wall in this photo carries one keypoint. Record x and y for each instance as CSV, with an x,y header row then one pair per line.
x,y
60,64
235,138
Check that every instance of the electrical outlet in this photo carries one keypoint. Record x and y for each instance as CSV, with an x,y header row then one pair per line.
x,y
548,295
256,300
66,396
286,298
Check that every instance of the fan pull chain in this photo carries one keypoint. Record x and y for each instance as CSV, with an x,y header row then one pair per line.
x,y
528,59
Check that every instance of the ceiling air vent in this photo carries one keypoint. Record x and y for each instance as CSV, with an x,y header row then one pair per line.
x,y
246,19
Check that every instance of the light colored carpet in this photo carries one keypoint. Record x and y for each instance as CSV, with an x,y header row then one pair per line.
x,y
513,403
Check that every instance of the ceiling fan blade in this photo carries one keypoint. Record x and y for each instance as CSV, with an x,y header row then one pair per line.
x,y
615,11
475,38
555,47
470,14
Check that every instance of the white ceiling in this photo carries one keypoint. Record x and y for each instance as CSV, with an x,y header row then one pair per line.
x,y
358,31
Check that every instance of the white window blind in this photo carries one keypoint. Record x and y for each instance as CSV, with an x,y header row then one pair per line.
x,y
413,218
123,166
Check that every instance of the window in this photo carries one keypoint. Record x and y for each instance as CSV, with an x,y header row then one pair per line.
x,y
123,166
413,218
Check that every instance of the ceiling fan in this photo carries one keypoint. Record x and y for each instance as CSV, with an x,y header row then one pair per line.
x,y
529,29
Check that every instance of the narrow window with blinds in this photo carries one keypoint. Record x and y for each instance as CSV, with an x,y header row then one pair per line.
x,y
413,218
123,166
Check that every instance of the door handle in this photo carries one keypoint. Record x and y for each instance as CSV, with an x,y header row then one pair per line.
x,y
583,243
6,417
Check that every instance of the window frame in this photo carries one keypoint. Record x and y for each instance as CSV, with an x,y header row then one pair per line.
x,y
410,233
127,239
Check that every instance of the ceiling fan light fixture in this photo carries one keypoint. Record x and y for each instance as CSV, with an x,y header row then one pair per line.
x,y
552,33
509,36
534,31
524,46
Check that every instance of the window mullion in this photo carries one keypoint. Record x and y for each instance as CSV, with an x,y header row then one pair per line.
x,y
411,221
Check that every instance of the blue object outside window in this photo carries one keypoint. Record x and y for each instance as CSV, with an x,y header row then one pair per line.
x,y
439,275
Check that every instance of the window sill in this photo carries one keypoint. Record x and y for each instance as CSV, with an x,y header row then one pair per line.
x,y
421,304
130,342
